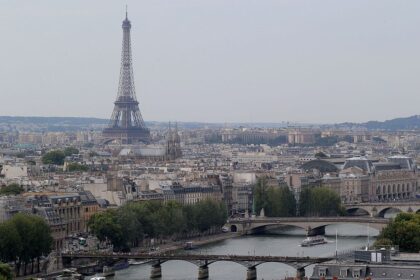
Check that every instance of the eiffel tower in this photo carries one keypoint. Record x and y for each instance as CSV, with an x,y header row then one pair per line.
x,y
126,124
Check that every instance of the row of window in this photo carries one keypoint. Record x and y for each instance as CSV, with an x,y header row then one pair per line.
x,y
394,188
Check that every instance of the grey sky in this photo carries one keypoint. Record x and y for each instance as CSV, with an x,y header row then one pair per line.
x,y
214,60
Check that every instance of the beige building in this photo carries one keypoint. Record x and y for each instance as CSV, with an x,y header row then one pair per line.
x,y
360,180
301,136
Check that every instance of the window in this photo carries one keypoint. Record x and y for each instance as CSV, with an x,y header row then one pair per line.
x,y
343,272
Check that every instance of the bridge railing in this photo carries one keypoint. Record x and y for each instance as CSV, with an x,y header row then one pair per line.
x,y
347,254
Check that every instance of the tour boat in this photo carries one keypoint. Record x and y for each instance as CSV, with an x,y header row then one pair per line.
x,y
313,240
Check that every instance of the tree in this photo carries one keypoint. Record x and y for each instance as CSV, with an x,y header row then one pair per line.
x,y
70,151
54,157
12,189
132,231
277,201
74,167
24,238
319,202
5,272
131,223
383,242
261,195
404,232
41,236
106,227
10,242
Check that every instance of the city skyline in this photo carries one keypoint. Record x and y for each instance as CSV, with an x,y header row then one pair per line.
x,y
214,62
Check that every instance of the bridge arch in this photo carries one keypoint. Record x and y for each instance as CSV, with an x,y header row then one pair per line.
x,y
234,228
354,210
196,263
290,264
383,211
263,227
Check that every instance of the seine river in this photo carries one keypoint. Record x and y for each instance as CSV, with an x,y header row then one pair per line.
x,y
278,242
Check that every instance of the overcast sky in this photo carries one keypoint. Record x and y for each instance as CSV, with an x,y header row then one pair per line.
x,y
214,60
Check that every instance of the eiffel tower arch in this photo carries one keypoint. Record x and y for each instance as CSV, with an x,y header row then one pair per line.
x,y
126,125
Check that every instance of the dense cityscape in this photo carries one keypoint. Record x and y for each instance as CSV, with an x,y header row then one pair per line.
x,y
128,198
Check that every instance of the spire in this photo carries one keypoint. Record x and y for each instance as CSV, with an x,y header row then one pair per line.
x,y
126,12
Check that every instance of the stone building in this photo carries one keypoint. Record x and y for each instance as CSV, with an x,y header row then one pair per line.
x,y
397,179
362,180
191,194
9,206
89,206
66,205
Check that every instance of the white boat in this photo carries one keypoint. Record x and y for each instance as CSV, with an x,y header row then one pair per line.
x,y
313,240
98,278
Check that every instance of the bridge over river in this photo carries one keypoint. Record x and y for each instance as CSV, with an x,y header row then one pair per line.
x,y
379,209
313,225
202,261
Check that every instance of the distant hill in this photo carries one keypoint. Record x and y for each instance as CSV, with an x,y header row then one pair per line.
x,y
10,123
52,120
408,123
53,124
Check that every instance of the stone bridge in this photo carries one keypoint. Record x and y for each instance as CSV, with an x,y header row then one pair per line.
x,y
378,209
312,225
203,261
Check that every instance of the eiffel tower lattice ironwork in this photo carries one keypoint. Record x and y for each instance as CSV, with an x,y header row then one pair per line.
x,y
126,124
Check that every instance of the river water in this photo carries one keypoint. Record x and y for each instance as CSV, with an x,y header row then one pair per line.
x,y
284,242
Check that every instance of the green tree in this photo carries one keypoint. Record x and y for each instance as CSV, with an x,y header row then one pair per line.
x,y
106,227
319,202
5,272
261,194
277,201
34,238
132,230
74,167
12,189
70,151
404,232
10,242
383,242
54,157
131,223
42,239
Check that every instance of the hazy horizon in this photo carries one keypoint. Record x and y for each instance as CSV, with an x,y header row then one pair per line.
x,y
214,61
